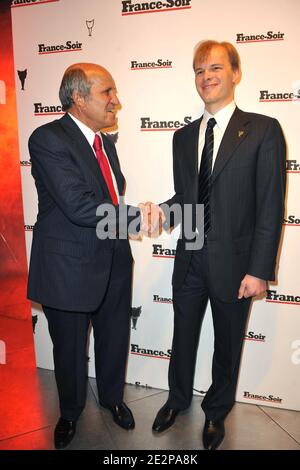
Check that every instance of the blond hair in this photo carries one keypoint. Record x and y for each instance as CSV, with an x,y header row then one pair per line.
x,y
203,49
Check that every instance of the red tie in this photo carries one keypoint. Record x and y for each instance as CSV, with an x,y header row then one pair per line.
x,y
105,168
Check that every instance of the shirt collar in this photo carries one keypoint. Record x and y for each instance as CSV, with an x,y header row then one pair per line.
x,y
87,131
222,117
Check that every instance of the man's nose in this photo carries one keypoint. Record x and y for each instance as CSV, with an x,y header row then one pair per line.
x,y
115,99
207,74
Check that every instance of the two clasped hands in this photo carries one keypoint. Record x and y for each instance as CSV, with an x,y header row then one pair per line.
x,y
153,218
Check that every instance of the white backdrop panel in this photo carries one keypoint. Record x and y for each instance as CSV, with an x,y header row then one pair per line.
x,y
270,367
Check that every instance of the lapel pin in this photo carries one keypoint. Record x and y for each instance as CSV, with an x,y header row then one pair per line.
x,y
241,133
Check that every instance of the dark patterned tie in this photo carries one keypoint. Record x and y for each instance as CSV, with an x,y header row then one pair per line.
x,y
205,172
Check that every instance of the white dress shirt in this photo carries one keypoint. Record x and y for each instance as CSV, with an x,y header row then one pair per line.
x,y
90,137
222,118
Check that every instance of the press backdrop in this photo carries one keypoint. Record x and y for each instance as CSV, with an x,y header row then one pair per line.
x,y
148,48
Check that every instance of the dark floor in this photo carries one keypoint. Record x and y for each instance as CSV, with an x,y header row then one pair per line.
x,y
248,427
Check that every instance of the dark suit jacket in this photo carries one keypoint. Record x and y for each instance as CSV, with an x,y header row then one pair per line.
x,y
246,200
70,266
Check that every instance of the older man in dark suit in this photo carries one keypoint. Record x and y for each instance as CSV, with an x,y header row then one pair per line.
x,y
77,276
233,163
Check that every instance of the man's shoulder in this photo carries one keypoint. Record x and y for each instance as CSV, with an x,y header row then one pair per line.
x,y
53,128
190,128
254,117
260,123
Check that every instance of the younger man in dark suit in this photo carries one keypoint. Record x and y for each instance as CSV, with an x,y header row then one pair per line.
x,y
233,163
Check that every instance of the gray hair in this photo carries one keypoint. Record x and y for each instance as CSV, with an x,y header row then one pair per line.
x,y
74,79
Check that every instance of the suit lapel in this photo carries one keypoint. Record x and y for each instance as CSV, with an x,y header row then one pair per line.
x,y
113,161
85,153
192,154
234,135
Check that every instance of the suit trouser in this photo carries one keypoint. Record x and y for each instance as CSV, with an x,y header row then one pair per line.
x,y
111,325
229,321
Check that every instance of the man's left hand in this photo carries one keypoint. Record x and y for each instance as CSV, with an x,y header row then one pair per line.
x,y
251,286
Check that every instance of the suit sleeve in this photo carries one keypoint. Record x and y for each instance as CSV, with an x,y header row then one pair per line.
x,y
53,167
270,195
173,207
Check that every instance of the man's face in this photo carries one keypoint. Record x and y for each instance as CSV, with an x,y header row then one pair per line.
x,y
215,79
98,109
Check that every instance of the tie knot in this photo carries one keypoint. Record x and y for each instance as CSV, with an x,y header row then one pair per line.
x,y
97,143
211,123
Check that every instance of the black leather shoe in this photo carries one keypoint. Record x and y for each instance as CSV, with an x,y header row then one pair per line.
x,y
213,434
121,414
64,433
164,418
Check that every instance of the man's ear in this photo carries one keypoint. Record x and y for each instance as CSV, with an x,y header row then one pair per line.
x,y
237,75
78,99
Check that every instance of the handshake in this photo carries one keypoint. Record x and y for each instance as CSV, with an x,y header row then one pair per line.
x,y
152,219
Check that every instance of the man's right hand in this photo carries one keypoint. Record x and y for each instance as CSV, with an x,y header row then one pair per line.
x,y
152,218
